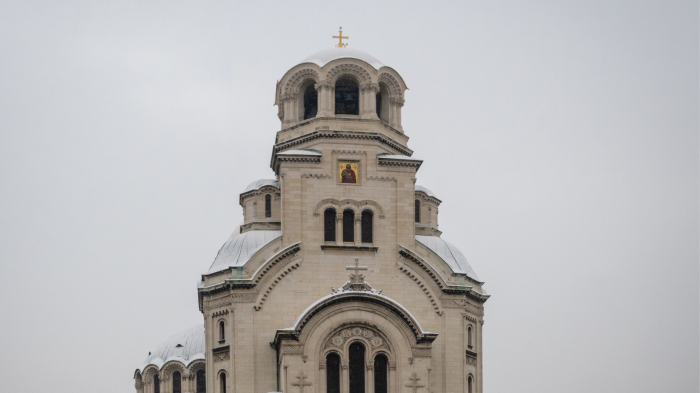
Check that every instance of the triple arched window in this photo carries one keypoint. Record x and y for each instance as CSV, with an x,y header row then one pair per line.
x,y
366,226
357,371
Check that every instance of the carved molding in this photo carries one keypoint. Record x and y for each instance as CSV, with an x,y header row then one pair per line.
x,y
348,69
423,286
288,269
291,88
327,134
220,357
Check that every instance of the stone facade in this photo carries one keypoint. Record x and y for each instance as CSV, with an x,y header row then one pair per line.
x,y
288,304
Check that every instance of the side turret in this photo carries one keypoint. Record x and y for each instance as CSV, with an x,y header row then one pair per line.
x,y
261,205
426,212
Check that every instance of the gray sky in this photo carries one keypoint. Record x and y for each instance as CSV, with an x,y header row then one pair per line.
x,y
562,137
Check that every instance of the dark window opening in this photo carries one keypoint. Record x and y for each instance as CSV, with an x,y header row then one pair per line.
x,y
349,226
332,373
177,382
268,205
417,210
201,382
470,382
379,105
347,97
329,225
469,336
357,368
367,226
381,384
222,378
156,384
310,102
222,331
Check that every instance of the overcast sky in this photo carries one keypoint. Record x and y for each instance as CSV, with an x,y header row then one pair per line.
x,y
562,137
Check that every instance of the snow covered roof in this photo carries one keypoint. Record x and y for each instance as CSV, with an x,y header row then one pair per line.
x,y
449,253
398,157
325,56
239,249
185,346
262,183
300,153
425,190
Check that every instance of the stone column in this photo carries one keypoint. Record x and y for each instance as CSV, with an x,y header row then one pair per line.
x,y
339,228
358,229
290,110
369,388
324,91
396,104
369,101
322,378
345,378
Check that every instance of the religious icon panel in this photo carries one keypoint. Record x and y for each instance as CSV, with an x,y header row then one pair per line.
x,y
348,172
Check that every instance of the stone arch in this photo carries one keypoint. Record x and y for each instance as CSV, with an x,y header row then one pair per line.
x,y
196,366
169,368
357,72
295,82
371,335
391,84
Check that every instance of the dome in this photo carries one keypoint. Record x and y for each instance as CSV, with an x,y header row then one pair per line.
x,y
258,184
321,58
424,190
449,253
239,249
185,347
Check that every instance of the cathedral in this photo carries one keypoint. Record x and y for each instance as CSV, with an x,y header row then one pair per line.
x,y
338,280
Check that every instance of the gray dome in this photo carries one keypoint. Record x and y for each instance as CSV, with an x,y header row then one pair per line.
x,y
325,56
239,249
258,184
449,253
425,190
185,347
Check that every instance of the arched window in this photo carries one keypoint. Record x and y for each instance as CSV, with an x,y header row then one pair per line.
x,y
379,105
470,382
222,331
347,97
177,382
310,102
357,368
201,382
417,210
329,225
332,373
268,205
348,226
469,337
367,226
156,384
222,383
381,384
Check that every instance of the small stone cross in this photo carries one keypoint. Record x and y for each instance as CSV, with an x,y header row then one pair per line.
x,y
356,277
301,383
414,383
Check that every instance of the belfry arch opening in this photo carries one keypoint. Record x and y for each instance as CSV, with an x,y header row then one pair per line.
x,y
310,102
383,103
347,96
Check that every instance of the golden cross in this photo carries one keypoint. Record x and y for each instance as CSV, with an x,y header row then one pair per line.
x,y
340,39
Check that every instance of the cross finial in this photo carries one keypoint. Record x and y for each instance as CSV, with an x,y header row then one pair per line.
x,y
340,39
356,276
414,383
302,382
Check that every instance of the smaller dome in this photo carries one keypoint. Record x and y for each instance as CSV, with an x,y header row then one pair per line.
x,y
321,58
185,347
424,190
258,184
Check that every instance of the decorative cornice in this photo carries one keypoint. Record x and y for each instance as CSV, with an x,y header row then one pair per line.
x,y
424,287
328,134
